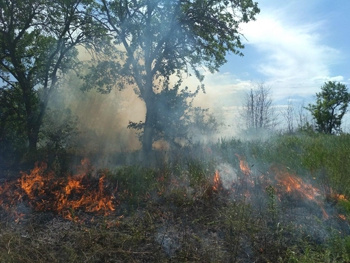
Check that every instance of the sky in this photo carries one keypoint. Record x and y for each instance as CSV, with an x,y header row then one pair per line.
x,y
293,47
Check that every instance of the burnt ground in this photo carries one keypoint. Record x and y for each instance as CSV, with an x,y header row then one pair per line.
x,y
247,224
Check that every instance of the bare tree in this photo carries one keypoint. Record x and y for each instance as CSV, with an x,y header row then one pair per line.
x,y
258,111
304,120
289,116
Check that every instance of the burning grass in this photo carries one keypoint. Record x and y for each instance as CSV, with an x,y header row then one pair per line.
x,y
63,195
231,209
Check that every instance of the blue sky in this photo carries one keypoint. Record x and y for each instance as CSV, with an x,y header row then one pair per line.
x,y
293,47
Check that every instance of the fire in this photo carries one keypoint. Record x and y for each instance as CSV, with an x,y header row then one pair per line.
x,y
216,181
292,183
33,183
284,181
91,201
339,197
342,217
243,166
44,191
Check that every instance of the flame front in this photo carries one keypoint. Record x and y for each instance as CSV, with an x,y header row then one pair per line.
x,y
33,183
64,196
292,183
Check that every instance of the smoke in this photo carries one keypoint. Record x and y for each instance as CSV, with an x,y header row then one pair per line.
x,y
102,119
228,175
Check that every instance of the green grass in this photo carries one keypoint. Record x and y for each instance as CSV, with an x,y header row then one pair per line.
x,y
171,212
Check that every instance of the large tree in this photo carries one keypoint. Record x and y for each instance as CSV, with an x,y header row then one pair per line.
x,y
38,40
159,39
331,105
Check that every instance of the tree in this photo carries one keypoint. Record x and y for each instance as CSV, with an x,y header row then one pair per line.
x,y
159,39
303,118
331,105
38,40
178,121
288,115
258,112
12,128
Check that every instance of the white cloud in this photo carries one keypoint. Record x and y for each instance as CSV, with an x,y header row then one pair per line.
x,y
293,58
325,79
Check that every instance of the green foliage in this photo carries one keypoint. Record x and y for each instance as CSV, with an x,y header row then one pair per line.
x,y
311,254
237,224
198,172
58,130
339,248
13,138
327,158
272,202
163,39
135,184
175,120
331,105
307,129
171,117
172,35
345,204
38,41
323,156
58,139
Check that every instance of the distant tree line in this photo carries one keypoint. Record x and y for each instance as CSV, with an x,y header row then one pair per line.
x,y
258,112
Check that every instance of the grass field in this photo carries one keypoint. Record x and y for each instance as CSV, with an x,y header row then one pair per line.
x,y
278,200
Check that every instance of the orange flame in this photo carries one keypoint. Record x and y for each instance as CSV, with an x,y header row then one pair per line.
x,y
64,196
33,183
91,201
216,181
342,217
292,183
339,197
243,166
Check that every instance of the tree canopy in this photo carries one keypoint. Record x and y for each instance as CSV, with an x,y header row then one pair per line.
x,y
158,39
331,105
38,41
149,45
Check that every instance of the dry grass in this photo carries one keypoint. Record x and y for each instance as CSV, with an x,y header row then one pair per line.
x,y
205,226
174,214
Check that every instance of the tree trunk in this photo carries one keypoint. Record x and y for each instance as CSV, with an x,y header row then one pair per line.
x,y
35,114
33,127
30,114
148,132
33,140
149,98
